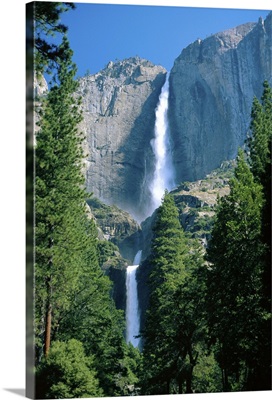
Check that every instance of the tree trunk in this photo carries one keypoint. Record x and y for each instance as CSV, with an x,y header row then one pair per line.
x,y
168,386
180,384
189,380
48,324
48,316
225,380
189,373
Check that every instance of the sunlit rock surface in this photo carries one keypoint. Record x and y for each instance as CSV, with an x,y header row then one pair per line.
x,y
212,85
119,114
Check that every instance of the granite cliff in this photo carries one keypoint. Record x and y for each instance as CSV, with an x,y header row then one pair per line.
x,y
212,85
119,114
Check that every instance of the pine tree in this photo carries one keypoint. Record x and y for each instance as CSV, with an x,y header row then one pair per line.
x,y
260,163
67,372
98,325
260,139
234,279
59,199
47,24
169,335
40,55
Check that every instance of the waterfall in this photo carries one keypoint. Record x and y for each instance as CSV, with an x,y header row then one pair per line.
x,y
164,170
163,178
132,313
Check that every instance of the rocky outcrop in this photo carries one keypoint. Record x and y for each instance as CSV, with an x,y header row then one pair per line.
x,y
118,106
40,87
119,240
212,85
39,90
116,226
196,201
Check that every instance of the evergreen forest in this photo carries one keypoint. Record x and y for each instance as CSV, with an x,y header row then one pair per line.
x,y
208,323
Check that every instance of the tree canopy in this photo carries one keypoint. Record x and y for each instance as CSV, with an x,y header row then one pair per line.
x,y
47,24
239,284
171,330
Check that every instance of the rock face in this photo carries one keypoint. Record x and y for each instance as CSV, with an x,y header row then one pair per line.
x,y
40,86
117,226
119,115
212,85
120,238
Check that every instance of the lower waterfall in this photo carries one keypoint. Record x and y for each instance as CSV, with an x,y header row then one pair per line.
x,y
132,312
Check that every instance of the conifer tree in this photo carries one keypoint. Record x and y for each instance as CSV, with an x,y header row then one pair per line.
x,y
47,24
234,278
67,372
40,56
260,163
170,331
167,271
59,200
260,139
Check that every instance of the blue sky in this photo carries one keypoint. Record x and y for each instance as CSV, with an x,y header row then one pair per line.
x,y
99,33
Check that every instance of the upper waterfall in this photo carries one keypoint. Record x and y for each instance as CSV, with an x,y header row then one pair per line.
x,y
164,172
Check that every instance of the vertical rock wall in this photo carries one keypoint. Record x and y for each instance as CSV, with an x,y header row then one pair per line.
x,y
119,114
212,84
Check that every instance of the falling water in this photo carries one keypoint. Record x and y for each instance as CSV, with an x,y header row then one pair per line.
x,y
163,179
164,171
132,313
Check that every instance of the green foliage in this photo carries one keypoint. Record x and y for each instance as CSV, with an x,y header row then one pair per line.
x,y
60,218
67,372
203,224
106,250
239,273
131,366
171,330
234,279
95,322
260,162
261,132
47,24
207,374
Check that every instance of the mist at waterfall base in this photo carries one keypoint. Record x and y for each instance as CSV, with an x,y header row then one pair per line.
x,y
132,308
163,178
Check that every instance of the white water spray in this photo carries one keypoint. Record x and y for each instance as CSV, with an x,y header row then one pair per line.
x,y
164,171
132,313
